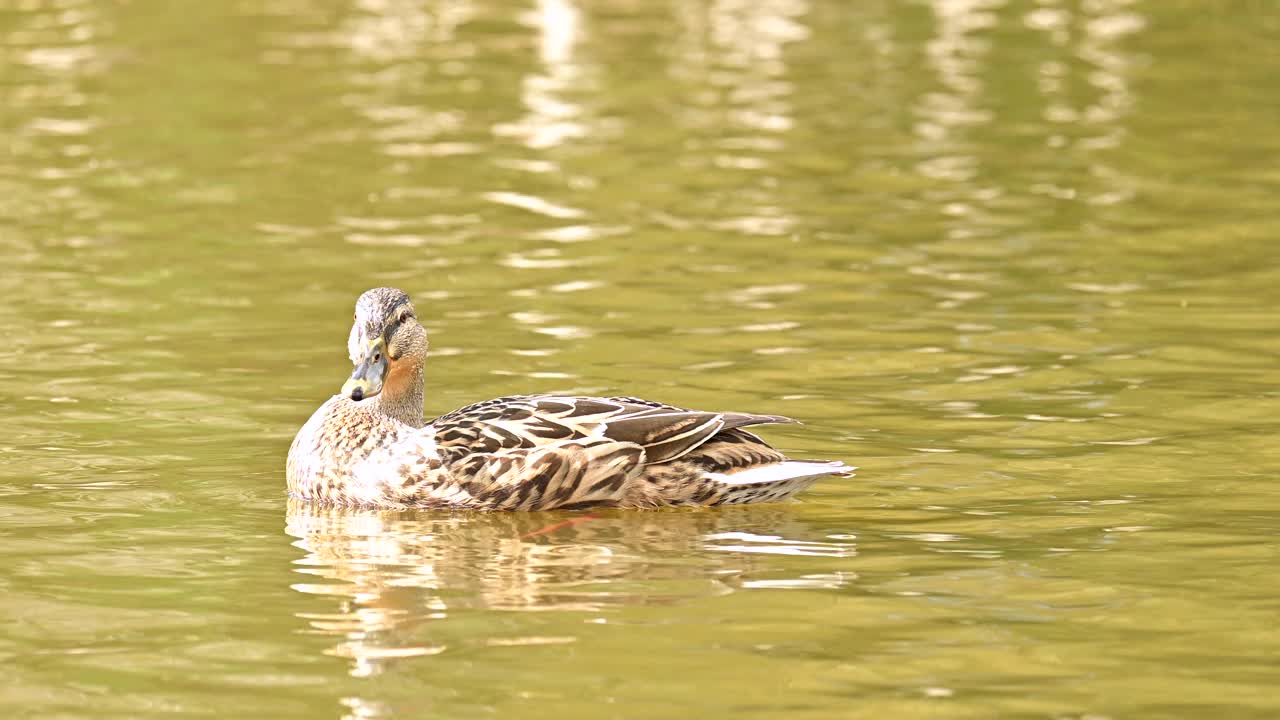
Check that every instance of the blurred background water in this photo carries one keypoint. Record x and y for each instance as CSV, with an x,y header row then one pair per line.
x,y
1016,259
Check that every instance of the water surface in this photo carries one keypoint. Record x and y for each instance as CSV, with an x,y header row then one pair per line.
x,y
1017,260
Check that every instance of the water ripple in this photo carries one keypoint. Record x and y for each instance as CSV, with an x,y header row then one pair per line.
x,y
534,205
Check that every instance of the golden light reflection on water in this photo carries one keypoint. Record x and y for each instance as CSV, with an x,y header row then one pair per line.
x,y
552,118
397,572
52,150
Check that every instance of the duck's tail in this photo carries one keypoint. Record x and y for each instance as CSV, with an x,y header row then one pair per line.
x,y
775,482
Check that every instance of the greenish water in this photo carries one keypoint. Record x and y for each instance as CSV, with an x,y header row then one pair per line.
x,y
1017,260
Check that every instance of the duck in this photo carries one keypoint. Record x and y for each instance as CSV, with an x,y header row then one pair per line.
x,y
369,445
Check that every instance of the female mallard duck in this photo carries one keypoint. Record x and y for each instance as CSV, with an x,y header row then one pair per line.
x,y
369,446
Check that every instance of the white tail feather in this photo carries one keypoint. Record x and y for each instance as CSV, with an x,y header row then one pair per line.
x,y
787,470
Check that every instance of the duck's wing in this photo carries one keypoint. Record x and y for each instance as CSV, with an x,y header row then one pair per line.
x,y
574,473
665,432
569,474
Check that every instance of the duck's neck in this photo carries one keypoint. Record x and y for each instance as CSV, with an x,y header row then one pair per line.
x,y
401,397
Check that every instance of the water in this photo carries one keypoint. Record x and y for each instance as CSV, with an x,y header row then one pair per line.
x,y
1017,260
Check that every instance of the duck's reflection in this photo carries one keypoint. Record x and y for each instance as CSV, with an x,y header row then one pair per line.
x,y
395,570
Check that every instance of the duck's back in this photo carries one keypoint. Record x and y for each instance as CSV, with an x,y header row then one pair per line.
x,y
689,457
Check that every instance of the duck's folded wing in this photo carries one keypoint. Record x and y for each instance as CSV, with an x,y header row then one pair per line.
x,y
564,475
664,431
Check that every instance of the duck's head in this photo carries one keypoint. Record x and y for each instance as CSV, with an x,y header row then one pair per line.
x,y
387,347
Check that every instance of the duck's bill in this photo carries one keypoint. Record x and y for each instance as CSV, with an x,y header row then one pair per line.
x,y
366,380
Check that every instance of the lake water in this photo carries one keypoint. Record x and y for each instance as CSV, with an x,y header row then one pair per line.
x,y
1017,260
